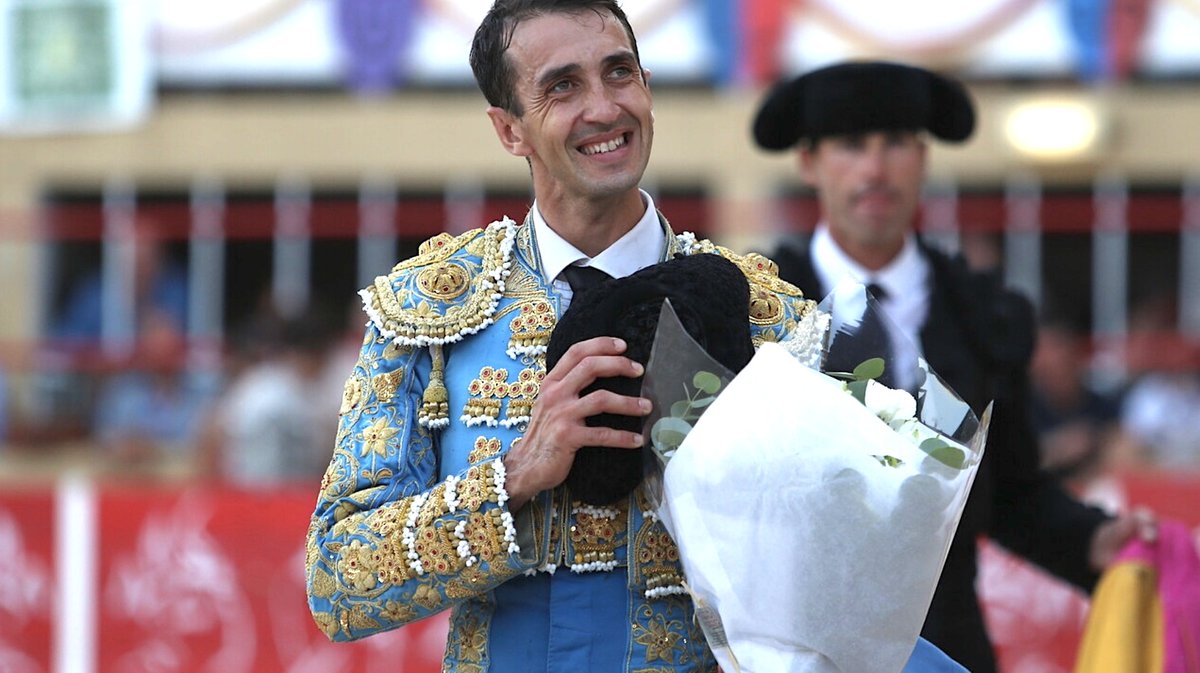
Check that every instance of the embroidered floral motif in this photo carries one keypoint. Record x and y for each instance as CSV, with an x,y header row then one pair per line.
x,y
357,567
659,559
484,448
531,329
351,394
486,390
379,437
385,386
466,649
443,281
765,306
522,395
659,639
594,535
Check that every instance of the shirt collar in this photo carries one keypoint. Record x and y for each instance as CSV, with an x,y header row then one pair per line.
x,y
902,276
640,247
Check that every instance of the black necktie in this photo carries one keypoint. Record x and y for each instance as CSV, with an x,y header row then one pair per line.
x,y
580,278
877,291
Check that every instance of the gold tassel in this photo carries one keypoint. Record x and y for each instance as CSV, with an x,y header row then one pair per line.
x,y
435,402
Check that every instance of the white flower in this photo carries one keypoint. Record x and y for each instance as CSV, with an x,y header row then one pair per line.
x,y
892,406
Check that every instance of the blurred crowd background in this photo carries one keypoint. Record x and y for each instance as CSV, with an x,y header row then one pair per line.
x,y
191,193
190,196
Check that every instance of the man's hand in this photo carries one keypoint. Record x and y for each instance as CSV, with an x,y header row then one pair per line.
x,y
557,429
1111,537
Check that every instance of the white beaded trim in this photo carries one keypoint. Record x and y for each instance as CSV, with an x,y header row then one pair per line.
x,y
807,341
597,512
409,536
495,282
510,529
593,566
464,547
514,421
687,242
659,592
451,493
475,421
433,423
517,352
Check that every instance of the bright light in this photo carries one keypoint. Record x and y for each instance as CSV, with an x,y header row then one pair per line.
x,y
1054,130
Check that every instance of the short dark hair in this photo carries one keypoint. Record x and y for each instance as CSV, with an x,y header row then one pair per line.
x,y
489,62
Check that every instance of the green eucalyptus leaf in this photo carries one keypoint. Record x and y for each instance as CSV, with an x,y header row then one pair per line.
x,y
944,453
707,382
668,433
889,461
703,402
859,390
680,409
869,369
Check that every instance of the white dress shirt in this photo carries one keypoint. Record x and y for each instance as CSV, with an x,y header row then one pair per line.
x,y
640,247
905,282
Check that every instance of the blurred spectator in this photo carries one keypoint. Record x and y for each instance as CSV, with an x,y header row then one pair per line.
x,y
1076,424
159,284
276,422
1159,420
3,409
153,411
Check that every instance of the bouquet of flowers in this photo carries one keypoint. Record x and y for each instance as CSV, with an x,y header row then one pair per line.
x,y
813,507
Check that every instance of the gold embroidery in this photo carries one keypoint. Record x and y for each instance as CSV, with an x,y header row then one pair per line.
x,y
484,448
476,488
397,612
468,639
427,597
322,584
531,328
486,391
437,549
594,536
765,306
443,281
657,557
351,394
379,437
433,507
395,350
524,392
326,622
435,401
661,642
485,534
385,385
357,567
411,320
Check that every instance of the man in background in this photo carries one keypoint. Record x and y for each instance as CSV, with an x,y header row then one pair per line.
x,y
858,130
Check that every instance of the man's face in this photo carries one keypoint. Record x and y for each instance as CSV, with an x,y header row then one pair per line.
x,y
869,186
588,123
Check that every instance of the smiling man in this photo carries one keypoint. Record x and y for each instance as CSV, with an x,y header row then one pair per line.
x,y
446,489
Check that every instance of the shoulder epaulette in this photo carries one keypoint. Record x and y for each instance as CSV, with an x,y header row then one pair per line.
x,y
768,292
448,290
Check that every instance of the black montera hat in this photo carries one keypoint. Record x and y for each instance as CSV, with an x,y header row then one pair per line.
x,y
863,96
710,296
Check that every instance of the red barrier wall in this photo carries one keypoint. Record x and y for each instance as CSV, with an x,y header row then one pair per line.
x,y
210,580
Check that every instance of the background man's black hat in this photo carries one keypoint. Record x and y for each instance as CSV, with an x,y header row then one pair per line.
x,y
861,96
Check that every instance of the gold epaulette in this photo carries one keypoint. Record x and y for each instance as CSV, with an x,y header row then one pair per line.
x,y
449,290
768,292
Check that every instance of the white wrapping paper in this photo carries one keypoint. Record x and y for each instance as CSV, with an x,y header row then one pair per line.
x,y
815,555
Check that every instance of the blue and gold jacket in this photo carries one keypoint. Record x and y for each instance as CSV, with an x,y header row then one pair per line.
x,y
412,516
